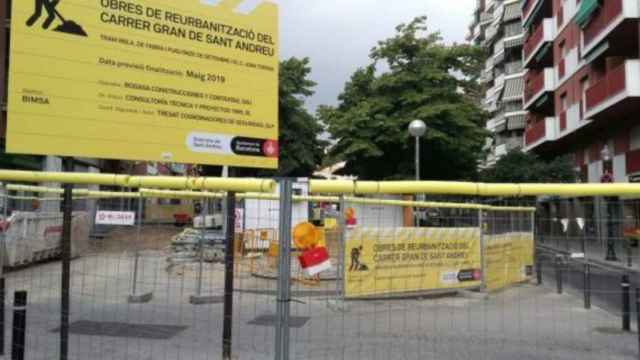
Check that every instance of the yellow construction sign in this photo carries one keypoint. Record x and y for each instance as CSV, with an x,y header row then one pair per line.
x,y
508,259
401,260
173,81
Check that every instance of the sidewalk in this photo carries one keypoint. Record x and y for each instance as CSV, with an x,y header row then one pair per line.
x,y
595,252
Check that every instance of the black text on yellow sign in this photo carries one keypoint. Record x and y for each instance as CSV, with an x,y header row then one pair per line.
x,y
175,81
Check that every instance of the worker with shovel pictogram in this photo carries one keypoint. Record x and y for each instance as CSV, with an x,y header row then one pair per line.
x,y
67,26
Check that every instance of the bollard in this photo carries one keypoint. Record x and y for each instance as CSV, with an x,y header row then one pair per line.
x,y
19,325
587,286
539,270
559,274
638,317
629,254
626,303
2,298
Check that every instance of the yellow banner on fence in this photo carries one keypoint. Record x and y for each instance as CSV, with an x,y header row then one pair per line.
x,y
508,259
382,261
171,81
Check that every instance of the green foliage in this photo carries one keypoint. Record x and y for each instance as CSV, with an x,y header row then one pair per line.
x,y
519,167
300,149
425,80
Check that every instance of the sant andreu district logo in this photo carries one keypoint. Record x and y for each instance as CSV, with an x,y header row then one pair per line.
x,y
50,6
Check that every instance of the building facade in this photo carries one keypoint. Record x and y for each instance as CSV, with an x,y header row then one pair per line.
x,y
582,86
497,26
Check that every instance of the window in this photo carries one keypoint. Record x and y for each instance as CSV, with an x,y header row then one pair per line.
x,y
584,85
512,29
512,106
564,102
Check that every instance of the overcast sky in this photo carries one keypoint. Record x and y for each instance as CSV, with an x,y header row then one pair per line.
x,y
338,34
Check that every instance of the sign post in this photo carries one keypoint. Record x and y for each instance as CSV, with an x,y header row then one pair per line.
x,y
135,297
228,276
65,291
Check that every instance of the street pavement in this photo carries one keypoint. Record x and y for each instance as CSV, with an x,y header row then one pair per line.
x,y
523,322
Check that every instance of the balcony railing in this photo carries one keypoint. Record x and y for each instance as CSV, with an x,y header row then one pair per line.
x,y
609,11
513,67
533,41
536,130
534,85
485,18
612,84
514,143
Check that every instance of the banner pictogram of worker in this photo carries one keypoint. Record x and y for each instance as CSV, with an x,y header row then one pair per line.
x,y
50,6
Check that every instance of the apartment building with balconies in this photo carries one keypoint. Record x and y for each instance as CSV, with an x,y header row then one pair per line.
x,y
497,26
582,84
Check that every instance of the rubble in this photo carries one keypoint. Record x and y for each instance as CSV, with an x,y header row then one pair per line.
x,y
185,247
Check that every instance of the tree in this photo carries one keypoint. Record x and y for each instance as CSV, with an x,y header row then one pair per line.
x,y
301,150
519,167
425,80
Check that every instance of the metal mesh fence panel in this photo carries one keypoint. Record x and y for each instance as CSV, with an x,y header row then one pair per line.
x,y
474,280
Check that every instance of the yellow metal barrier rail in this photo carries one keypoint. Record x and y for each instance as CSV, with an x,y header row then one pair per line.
x,y
174,194
160,182
472,189
324,186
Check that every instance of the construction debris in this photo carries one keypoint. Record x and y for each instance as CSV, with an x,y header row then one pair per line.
x,y
185,247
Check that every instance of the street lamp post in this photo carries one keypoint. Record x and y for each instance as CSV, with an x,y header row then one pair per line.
x,y
417,128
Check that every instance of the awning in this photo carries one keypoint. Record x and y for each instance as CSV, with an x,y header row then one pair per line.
x,y
543,52
539,4
516,122
596,52
542,100
514,42
513,89
586,10
512,12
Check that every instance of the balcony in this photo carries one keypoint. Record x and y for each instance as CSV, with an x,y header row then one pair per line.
x,y
537,47
485,18
540,130
608,21
513,67
530,6
570,121
535,9
538,85
490,33
617,94
497,125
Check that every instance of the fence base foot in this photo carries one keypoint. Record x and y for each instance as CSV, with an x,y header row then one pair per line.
x,y
471,294
206,299
140,299
338,305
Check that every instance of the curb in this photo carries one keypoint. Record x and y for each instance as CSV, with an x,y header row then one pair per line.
x,y
599,263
